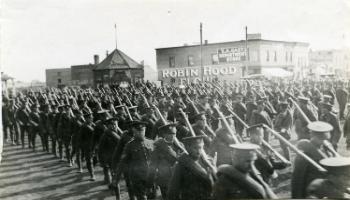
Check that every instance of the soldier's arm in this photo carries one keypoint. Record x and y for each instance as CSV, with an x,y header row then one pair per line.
x,y
337,130
174,188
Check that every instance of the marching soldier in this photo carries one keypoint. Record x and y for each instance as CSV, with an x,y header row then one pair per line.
x,y
77,123
163,158
283,124
192,178
336,183
34,128
200,128
304,173
241,110
346,128
136,159
108,142
240,179
151,120
342,97
260,116
87,141
300,123
22,116
332,119
64,132
266,163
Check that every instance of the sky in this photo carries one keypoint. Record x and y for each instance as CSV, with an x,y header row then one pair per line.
x,y
41,34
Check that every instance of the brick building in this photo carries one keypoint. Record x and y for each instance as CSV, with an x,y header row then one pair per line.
x,y
58,77
226,60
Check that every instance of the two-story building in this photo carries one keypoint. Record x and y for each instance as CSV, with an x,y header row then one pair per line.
x,y
227,60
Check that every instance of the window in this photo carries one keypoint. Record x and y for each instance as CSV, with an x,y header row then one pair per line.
x,y
275,56
59,81
58,73
248,54
291,57
286,56
267,56
214,59
190,61
172,61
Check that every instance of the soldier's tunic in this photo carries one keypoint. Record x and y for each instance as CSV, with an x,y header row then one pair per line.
x,y
77,123
325,189
64,132
108,143
190,180
262,118
301,124
220,145
303,172
22,116
136,159
333,120
34,129
87,144
240,109
163,159
13,125
342,97
45,130
233,184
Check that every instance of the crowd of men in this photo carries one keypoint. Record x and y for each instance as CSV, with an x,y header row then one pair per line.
x,y
198,141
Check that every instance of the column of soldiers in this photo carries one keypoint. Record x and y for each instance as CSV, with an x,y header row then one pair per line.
x,y
199,141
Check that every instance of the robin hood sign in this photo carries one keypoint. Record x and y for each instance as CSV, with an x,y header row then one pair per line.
x,y
194,74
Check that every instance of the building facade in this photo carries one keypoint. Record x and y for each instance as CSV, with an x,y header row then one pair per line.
x,y
59,77
82,75
227,60
336,61
117,67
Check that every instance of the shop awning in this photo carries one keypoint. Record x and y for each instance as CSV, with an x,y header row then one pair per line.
x,y
276,72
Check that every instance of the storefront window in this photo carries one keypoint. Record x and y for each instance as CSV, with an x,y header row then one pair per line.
x,y
172,61
214,59
190,60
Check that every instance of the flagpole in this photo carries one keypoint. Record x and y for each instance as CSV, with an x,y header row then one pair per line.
x,y
201,43
115,34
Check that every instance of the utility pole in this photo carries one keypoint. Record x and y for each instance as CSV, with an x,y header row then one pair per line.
x,y
246,51
201,43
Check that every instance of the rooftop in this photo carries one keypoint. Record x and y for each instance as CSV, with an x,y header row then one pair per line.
x,y
240,41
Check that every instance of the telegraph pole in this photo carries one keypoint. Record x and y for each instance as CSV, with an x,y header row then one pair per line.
x,y
246,51
201,43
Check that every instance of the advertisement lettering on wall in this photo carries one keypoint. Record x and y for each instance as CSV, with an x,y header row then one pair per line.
x,y
194,74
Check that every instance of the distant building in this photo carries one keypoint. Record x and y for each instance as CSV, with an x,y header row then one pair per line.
x,y
82,75
7,85
150,73
59,77
335,61
117,67
227,60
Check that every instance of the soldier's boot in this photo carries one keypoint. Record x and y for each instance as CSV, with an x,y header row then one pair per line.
x,y
60,150
78,158
68,156
53,146
116,190
90,168
107,175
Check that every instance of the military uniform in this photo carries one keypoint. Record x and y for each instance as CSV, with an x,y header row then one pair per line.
x,y
136,159
22,116
191,179
87,144
300,123
333,120
304,173
336,184
107,144
234,183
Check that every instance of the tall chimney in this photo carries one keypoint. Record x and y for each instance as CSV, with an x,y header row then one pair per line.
x,y
96,59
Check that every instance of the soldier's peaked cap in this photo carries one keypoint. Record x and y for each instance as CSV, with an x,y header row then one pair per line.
x,y
244,147
137,122
337,165
319,127
193,139
166,126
